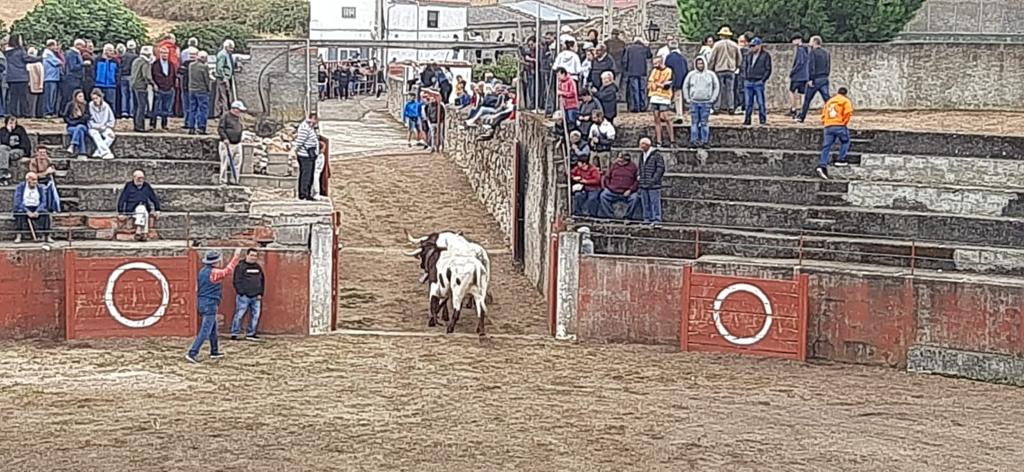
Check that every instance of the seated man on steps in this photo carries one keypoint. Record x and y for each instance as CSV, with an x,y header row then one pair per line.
x,y
138,200
620,185
30,210
14,146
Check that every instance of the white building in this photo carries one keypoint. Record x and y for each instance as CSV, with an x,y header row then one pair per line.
x,y
411,20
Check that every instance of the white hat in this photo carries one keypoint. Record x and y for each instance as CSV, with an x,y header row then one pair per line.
x,y
238,105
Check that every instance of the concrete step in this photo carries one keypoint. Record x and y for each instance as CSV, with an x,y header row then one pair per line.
x,y
183,198
211,226
739,160
848,221
687,242
143,146
755,188
936,170
158,172
269,181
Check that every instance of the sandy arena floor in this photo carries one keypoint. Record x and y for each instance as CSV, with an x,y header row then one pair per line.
x,y
519,403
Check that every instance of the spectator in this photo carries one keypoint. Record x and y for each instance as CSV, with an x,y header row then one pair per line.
x,y
142,80
171,44
726,59
700,90
577,147
139,201
835,117
35,85
427,76
740,84
411,117
506,112
14,146
616,48
341,77
76,116
601,137
546,75
41,166
568,95
652,169
208,296
125,81
601,63
17,77
705,49
799,74
74,76
249,287
101,125
489,104
528,57
757,67
592,37
30,210
819,66
608,96
164,75
660,84
198,94
677,63
224,72
569,60
321,81
106,74
52,67
585,65
620,185
587,108
586,187
88,66
189,53
634,64
307,146
435,118
3,76
230,148
444,84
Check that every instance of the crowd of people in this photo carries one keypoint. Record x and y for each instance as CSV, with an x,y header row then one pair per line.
x,y
344,80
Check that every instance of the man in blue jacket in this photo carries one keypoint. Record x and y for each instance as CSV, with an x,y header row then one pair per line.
x,y
52,65
677,63
208,296
798,75
30,209
757,68
634,67
819,65
139,201
652,170
74,70
107,76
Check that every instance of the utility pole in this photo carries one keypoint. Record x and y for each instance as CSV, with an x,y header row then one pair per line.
x,y
643,19
607,29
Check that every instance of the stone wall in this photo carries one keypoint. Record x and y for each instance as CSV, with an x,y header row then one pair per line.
x,y
972,18
273,81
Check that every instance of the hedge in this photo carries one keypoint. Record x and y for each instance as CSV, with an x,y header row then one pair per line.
x,y
211,35
263,16
103,21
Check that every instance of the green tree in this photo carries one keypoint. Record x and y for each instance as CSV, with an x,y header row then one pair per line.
x,y
211,35
103,21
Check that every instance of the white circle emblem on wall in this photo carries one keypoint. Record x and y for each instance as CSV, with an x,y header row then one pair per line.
x,y
717,311
108,295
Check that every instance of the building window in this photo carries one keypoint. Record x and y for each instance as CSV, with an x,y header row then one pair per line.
x,y
348,12
432,18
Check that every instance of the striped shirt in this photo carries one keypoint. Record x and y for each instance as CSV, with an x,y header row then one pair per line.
x,y
305,139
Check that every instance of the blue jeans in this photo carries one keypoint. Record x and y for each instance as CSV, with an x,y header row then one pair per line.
x,y
198,110
833,134
3,100
163,105
609,198
127,97
584,202
207,330
184,105
242,304
571,116
50,97
650,200
820,87
753,93
637,94
78,133
700,116
109,96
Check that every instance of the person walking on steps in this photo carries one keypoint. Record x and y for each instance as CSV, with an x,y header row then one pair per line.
x,y
835,117
208,301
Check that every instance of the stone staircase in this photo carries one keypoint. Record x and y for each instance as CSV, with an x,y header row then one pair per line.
x,y
923,200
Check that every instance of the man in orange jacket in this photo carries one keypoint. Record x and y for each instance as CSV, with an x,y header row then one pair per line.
x,y
835,116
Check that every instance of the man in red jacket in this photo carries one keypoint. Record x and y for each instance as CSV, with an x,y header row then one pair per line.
x,y
586,187
570,98
620,185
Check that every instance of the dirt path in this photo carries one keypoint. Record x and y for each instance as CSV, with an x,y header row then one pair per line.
x,y
400,188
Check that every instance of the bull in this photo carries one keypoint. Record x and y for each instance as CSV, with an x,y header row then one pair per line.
x,y
461,277
431,249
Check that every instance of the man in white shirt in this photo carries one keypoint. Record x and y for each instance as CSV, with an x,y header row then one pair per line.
x,y
307,149
569,59
602,136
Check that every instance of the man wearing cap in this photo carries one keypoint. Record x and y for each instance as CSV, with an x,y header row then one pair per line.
x,y
725,62
757,68
208,291
230,132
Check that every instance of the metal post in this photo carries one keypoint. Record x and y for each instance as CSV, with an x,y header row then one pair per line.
x,y
309,83
607,26
418,29
536,67
643,18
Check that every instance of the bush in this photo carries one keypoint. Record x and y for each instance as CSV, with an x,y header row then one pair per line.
x,y
103,21
263,16
505,69
211,35
778,20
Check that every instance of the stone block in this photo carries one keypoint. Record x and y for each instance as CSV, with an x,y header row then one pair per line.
x,y
981,366
292,235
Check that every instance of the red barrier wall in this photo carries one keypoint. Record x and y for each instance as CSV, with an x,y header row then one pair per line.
x,y
285,308
853,316
31,294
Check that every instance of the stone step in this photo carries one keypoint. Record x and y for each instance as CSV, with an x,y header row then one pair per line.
x,y
269,181
158,172
936,170
143,146
848,221
183,198
809,138
739,160
687,242
214,226
755,188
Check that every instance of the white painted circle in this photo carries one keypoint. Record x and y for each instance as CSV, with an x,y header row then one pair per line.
x,y
717,310
108,295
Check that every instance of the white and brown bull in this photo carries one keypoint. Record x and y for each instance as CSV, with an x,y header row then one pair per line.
x,y
457,270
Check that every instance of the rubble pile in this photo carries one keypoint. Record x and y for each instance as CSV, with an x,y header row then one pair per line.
x,y
273,155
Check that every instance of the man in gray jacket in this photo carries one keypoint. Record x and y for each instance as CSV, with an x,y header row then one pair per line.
x,y
700,89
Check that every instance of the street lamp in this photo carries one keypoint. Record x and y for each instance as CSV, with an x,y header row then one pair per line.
x,y
652,31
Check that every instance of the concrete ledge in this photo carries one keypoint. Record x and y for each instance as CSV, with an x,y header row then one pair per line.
x,y
158,171
141,145
966,364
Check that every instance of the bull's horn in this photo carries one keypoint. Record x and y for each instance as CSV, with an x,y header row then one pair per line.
x,y
414,253
413,240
